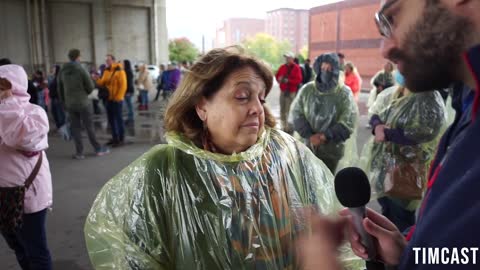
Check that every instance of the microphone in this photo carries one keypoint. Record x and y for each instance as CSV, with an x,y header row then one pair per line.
x,y
353,191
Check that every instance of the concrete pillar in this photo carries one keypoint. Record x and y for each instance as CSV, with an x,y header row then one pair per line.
x,y
44,38
108,26
37,38
30,34
161,37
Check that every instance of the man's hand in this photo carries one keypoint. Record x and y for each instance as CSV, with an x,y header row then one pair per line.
x,y
390,243
318,139
380,133
319,251
323,138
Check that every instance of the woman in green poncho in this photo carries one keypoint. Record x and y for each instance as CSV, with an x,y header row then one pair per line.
x,y
324,113
227,190
406,128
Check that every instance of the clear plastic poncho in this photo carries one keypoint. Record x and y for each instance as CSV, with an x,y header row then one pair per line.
x,y
382,101
322,110
180,207
422,117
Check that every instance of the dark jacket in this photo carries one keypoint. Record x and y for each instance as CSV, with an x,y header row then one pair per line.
x,y
450,214
74,86
32,91
307,73
130,82
53,89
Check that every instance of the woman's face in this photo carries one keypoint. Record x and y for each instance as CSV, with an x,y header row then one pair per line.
x,y
388,67
348,69
235,115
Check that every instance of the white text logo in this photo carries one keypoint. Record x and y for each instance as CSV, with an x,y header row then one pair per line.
x,y
445,255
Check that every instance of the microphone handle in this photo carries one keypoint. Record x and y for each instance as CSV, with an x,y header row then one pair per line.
x,y
358,214
372,265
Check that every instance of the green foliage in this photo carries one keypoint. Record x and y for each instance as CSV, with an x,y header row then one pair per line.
x,y
182,49
267,48
303,53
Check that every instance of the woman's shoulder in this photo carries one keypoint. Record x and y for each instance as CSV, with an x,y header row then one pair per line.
x,y
307,88
287,143
429,100
345,92
153,168
163,155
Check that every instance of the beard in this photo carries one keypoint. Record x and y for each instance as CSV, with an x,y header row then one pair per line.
x,y
432,53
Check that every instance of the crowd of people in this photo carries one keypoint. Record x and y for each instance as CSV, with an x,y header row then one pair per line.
x,y
230,189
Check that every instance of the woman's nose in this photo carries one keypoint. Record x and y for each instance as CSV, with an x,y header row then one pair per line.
x,y
256,107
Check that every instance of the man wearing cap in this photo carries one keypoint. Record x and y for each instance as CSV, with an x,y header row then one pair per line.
x,y
289,76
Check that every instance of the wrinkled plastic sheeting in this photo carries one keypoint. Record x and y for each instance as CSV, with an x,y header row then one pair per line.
x,y
180,207
382,101
422,118
324,110
449,111
350,156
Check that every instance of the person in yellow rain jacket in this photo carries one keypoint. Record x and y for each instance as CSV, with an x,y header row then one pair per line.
x,y
115,80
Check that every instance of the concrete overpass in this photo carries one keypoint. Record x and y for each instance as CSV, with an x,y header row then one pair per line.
x,y
39,33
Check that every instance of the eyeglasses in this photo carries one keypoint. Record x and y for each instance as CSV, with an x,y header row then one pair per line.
x,y
384,24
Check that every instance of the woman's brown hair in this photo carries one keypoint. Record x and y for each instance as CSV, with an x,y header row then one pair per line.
x,y
204,79
5,84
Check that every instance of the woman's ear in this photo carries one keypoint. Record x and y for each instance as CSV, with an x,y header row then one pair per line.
x,y
201,109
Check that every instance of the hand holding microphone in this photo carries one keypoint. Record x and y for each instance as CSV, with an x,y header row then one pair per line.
x,y
388,240
372,236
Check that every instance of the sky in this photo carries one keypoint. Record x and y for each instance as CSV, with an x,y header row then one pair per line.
x,y
195,18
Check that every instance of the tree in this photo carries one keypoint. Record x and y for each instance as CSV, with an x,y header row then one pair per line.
x,y
182,49
303,55
267,48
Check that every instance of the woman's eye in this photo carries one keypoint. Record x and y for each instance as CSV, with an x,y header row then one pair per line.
x,y
263,101
241,98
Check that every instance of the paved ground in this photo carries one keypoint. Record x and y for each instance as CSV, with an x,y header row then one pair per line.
x,y
76,183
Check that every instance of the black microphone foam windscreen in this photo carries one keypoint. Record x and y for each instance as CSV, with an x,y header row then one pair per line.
x,y
352,187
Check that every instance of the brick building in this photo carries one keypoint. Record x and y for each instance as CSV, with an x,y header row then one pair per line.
x,y
348,27
235,30
289,24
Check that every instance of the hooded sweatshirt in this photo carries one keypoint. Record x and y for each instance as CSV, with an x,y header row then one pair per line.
x,y
115,79
74,85
23,129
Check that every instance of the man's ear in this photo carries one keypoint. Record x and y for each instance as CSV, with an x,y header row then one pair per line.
x,y
201,109
463,8
455,4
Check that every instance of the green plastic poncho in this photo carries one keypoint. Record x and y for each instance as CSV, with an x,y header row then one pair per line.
x,y
422,117
323,111
180,207
382,101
